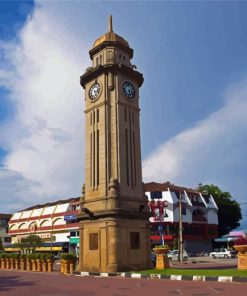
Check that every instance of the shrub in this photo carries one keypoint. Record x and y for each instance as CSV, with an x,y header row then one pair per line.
x,y
162,247
43,256
14,256
49,256
68,256
37,256
11,255
28,256
23,256
33,256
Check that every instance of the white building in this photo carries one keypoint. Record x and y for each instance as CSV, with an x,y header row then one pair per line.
x,y
54,222
199,215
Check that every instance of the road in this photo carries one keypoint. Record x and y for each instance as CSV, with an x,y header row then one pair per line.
x,y
205,263
19,283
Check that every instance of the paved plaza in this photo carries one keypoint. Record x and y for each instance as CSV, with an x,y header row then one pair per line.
x,y
17,283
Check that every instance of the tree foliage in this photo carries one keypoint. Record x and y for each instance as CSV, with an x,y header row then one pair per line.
x,y
1,245
229,211
31,240
29,243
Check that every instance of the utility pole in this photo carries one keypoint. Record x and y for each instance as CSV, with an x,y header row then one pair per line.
x,y
180,230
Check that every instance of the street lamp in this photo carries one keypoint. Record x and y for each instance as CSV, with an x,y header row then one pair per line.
x,y
180,229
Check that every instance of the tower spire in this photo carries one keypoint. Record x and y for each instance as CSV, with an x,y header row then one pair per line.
x,y
110,24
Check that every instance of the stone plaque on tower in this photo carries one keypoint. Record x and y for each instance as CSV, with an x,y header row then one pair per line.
x,y
114,218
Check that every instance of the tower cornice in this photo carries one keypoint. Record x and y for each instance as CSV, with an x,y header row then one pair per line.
x,y
95,72
116,44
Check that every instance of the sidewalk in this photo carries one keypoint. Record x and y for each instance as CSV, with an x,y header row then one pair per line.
x,y
192,263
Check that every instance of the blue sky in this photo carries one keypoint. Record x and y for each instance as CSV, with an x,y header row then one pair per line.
x,y
193,100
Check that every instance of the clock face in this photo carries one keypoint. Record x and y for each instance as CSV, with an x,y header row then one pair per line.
x,y
94,91
128,90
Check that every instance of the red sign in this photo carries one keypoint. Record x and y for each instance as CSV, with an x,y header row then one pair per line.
x,y
157,208
157,237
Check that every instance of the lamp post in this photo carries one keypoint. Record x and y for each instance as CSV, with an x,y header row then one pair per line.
x,y
51,236
69,242
180,230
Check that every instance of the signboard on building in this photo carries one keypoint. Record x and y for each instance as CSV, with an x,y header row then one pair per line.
x,y
41,235
74,240
70,217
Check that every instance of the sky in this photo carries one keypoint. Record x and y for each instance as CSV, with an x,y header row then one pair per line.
x,y
193,100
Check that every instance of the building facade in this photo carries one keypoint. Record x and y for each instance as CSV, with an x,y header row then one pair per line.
x,y
5,238
54,222
199,216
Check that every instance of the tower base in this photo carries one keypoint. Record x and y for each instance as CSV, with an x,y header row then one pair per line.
x,y
114,245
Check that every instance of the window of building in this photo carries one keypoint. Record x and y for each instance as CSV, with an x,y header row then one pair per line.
x,y
156,194
4,223
183,206
73,207
73,233
135,240
93,241
7,239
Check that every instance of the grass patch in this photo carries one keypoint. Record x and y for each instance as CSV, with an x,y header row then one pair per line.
x,y
202,272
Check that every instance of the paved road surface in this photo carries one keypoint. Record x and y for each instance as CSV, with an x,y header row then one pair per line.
x,y
205,263
17,283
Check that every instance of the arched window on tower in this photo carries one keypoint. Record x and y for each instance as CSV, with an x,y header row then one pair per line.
x,y
100,59
97,61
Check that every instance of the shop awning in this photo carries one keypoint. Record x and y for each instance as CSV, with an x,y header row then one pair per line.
x,y
36,249
56,246
224,239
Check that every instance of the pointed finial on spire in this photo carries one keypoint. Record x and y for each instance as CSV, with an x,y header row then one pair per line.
x,y
110,24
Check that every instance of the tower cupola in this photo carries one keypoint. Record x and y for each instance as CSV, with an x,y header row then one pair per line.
x,y
111,36
111,39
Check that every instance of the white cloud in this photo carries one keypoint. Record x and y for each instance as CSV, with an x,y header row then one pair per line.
x,y
213,151
45,138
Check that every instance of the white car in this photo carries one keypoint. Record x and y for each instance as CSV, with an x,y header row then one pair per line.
x,y
222,253
173,255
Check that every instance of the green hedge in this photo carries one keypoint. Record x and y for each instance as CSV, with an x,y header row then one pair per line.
x,y
68,256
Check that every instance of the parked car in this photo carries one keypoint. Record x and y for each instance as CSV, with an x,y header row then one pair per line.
x,y
57,256
173,255
223,253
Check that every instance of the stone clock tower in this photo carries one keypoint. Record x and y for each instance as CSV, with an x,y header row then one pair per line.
x,y
114,224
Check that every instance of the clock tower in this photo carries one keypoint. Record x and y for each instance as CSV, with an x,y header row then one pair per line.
x,y
114,218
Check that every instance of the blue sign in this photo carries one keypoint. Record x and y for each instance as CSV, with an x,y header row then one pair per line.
x,y
70,217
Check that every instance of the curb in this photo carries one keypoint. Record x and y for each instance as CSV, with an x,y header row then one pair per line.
x,y
224,279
